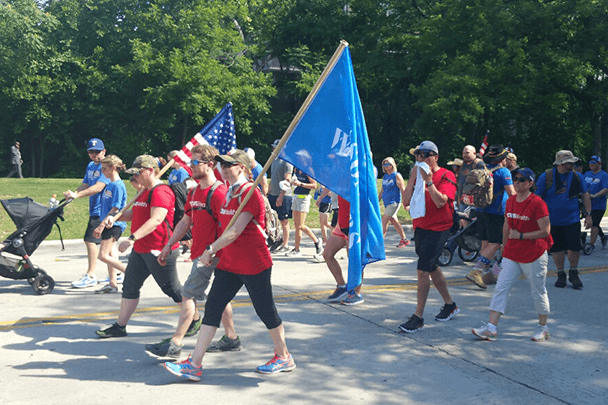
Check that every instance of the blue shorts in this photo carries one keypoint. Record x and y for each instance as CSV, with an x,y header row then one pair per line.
x,y
284,211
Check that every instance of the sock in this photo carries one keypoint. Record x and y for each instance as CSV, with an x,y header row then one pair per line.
x,y
560,270
492,328
572,268
342,286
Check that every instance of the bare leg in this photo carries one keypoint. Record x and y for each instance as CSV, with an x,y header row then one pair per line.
x,y
285,225
127,308
306,229
559,259
398,227
92,253
186,315
205,336
424,284
228,322
441,286
106,255
594,231
333,246
324,222
542,319
385,220
297,222
495,317
278,338
573,257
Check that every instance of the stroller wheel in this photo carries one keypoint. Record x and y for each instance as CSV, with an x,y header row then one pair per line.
x,y
43,284
39,272
446,257
467,255
588,248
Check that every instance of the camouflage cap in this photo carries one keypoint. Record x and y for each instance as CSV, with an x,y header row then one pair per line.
x,y
143,162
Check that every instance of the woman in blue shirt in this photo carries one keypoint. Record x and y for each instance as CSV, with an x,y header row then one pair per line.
x,y
392,187
178,174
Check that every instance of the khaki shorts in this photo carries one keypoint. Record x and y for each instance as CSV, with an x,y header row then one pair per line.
x,y
300,204
198,280
392,209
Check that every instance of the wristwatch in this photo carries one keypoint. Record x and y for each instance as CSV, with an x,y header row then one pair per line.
x,y
133,238
587,213
429,183
210,249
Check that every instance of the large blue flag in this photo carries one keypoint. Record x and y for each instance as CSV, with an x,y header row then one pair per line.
x,y
330,144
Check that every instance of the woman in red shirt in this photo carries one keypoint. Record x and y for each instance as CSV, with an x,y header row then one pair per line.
x,y
526,239
245,259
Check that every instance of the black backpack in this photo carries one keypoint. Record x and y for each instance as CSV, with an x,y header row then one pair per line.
x,y
180,191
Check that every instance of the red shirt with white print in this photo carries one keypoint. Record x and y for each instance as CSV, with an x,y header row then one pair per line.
x,y
163,197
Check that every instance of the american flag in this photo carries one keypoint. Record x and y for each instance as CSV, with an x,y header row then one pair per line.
x,y
484,144
219,132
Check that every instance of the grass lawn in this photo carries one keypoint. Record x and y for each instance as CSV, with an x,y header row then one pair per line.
x,y
77,213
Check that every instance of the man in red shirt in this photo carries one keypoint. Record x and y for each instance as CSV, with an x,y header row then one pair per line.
x,y
431,232
204,232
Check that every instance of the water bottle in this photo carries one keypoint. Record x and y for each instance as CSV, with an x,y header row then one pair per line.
x,y
53,203
19,266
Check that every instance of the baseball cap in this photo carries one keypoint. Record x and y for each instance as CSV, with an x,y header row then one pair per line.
x,y
95,144
235,156
143,162
250,152
428,146
526,172
595,159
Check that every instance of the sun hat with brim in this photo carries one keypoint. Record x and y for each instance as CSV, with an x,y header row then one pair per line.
x,y
495,153
595,159
526,172
563,157
143,162
455,162
235,156
414,150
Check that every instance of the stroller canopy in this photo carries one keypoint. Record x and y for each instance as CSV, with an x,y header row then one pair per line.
x,y
24,211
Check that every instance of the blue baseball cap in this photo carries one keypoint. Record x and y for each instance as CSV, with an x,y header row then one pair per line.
x,y
595,159
95,144
428,146
526,172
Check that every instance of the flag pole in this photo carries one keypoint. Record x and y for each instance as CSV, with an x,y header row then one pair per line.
x,y
294,123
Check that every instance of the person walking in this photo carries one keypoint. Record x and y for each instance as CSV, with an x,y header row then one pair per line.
x,y
178,174
203,220
150,217
597,182
280,171
470,161
93,183
256,170
244,259
16,161
430,234
560,187
390,194
526,236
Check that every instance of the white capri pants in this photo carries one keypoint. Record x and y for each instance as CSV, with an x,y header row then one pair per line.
x,y
535,273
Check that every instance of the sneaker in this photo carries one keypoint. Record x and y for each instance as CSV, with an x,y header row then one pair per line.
x,y
413,324
318,258
475,276
185,369
277,365
293,253
165,348
282,249
113,331
488,278
353,299
485,333
339,294
496,269
120,277
561,279
604,240
403,243
319,247
573,278
225,344
194,327
542,334
107,289
447,312
85,281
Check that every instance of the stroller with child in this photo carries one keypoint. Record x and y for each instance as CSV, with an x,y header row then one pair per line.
x,y
464,239
34,222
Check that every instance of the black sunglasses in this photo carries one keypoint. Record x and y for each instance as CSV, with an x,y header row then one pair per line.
x,y
521,179
427,154
226,165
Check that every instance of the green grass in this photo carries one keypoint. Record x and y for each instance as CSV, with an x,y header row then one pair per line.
x,y
77,213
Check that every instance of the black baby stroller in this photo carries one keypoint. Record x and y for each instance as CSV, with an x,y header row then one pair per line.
x,y
34,222
465,239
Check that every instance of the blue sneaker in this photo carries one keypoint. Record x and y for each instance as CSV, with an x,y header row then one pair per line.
x,y
353,299
277,365
338,295
120,277
185,369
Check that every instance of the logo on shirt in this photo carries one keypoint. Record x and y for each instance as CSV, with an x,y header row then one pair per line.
x,y
517,216
224,211
197,204
107,193
142,204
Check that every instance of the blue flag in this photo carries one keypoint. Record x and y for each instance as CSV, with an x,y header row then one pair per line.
x,y
330,144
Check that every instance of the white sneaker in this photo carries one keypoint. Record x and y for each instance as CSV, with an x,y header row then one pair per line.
x,y
119,279
85,281
293,253
542,334
318,258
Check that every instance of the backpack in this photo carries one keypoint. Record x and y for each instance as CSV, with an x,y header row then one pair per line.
x,y
180,191
272,231
478,188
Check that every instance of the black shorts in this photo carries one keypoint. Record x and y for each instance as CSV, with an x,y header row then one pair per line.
x,y
429,245
566,237
113,232
596,217
324,208
489,227
91,226
284,211
334,217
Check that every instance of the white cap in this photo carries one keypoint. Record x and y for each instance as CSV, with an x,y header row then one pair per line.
x,y
250,152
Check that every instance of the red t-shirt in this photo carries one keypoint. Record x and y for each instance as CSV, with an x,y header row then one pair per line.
x,y
343,213
248,254
161,197
204,227
439,219
523,217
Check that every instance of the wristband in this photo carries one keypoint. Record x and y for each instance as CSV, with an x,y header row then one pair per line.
x,y
521,235
587,214
133,238
429,183
210,249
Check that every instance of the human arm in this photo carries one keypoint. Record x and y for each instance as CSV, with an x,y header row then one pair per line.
x,y
311,185
178,233
84,190
510,189
157,216
406,194
264,185
227,237
439,198
600,193
544,230
97,232
587,206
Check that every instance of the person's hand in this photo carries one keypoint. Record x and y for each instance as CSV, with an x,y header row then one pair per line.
x,y
206,258
162,257
426,176
70,195
513,234
588,222
318,202
108,222
280,201
124,245
97,232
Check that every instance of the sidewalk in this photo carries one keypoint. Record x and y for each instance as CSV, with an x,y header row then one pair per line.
x,y
49,352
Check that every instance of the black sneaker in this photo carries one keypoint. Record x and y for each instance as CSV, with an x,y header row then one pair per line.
x,y
165,348
413,324
319,247
604,240
561,279
113,331
573,278
194,327
225,344
447,312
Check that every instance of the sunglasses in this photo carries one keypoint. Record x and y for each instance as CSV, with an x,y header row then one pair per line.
x,y
521,179
386,164
227,165
426,154
195,162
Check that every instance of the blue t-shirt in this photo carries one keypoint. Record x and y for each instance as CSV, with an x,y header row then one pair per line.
x,y
596,183
390,190
256,172
91,177
114,195
178,175
562,209
502,178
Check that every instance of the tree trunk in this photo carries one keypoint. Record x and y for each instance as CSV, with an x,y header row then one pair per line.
x,y
33,160
596,123
185,132
604,134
